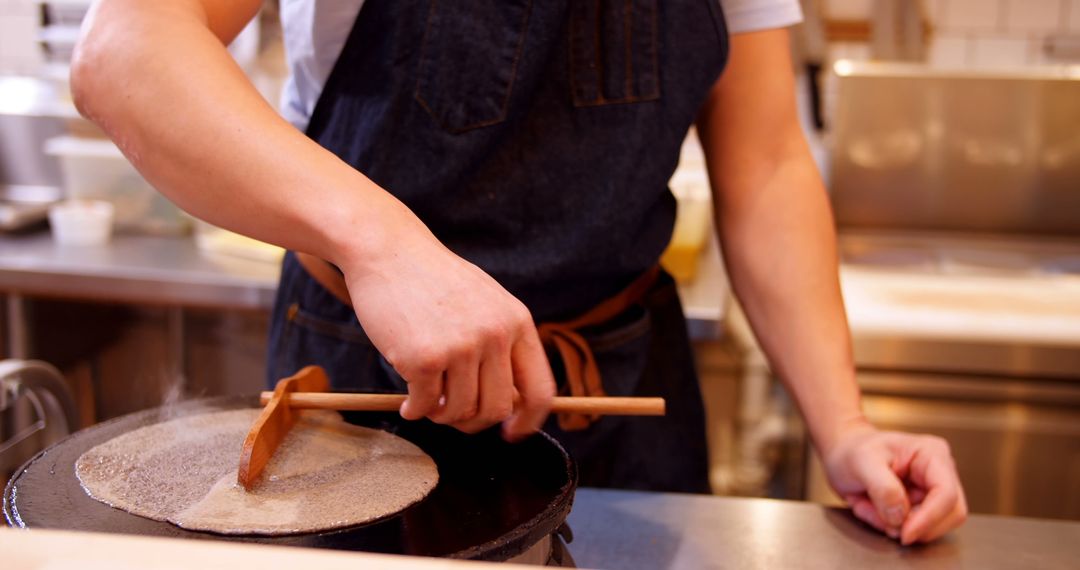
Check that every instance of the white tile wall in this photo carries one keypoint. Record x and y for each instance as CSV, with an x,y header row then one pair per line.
x,y
1037,52
848,50
1033,15
1073,9
997,33
19,48
948,51
848,9
999,52
971,15
934,10
1038,55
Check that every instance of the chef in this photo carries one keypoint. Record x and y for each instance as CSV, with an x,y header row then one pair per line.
x,y
474,196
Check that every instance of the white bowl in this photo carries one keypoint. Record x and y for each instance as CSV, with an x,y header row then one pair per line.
x,y
81,222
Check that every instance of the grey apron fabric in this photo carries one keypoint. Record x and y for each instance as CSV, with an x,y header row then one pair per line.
x,y
535,139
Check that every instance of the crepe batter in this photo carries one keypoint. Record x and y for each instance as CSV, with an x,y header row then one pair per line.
x,y
326,474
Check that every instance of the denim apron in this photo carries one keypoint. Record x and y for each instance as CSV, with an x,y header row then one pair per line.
x,y
535,138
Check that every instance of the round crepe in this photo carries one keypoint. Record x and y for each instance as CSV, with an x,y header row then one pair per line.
x,y
326,474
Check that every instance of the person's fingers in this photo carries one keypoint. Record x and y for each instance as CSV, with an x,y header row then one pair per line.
x,y
932,469
495,401
425,389
884,488
864,510
954,520
535,386
459,392
916,496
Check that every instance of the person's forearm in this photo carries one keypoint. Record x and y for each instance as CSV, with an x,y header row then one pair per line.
x,y
779,246
776,231
157,78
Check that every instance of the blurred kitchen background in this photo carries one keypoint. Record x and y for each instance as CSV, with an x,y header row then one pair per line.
x,y
948,132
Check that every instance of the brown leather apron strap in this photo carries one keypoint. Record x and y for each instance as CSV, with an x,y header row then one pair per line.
x,y
325,274
579,363
582,373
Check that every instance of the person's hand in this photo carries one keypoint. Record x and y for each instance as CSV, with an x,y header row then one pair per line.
x,y
904,485
467,348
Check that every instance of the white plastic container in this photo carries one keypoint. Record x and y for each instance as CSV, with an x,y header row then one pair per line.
x,y
216,241
95,169
81,222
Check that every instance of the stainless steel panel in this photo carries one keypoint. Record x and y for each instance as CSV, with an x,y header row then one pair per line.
x,y
23,161
971,388
913,252
1026,360
921,149
30,113
29,178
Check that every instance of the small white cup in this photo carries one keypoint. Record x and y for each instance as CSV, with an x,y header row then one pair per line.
x,y
81,222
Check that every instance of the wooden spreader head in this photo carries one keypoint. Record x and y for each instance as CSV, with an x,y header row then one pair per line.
x,y
275,421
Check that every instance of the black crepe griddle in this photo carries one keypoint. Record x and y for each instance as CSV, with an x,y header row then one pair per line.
x,y
493,501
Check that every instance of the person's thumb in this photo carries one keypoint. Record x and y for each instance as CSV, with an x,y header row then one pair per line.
x,y
885,489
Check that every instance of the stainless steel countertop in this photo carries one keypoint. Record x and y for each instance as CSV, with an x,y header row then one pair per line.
x,y
173,271
623,529
135,269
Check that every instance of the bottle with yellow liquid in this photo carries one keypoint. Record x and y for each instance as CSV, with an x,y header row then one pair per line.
x,y
692,224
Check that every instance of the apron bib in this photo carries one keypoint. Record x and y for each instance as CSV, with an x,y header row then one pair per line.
x,y
535,139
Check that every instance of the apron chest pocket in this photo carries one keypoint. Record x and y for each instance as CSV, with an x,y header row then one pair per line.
x,y
469,59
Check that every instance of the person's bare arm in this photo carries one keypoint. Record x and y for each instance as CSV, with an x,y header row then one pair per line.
x,y
779,244
157,78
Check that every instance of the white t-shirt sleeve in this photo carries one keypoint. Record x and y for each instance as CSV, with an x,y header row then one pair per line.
x,y
756,15
314,33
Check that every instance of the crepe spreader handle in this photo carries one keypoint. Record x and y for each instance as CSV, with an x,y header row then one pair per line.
x,y
344,401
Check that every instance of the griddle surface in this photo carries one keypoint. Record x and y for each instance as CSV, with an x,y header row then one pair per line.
x,y
493,500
